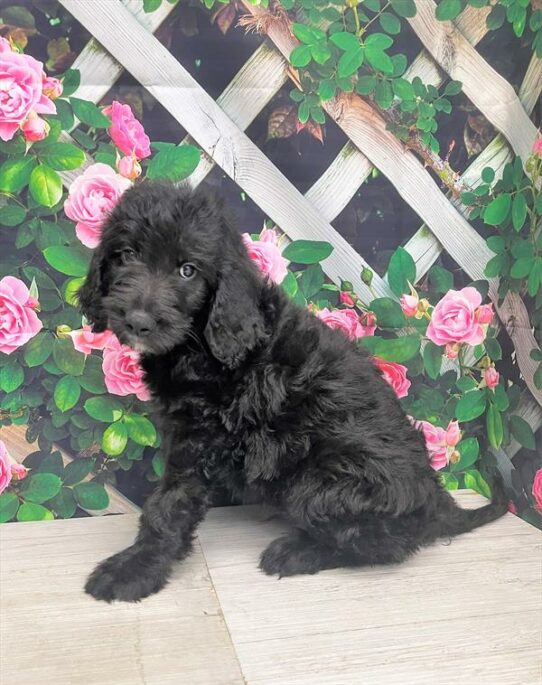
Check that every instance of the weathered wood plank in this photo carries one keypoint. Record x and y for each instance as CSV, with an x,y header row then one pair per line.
x,y
486,89
177,637
182,96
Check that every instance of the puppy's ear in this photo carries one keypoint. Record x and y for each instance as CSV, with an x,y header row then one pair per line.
x,y
235,325
92,291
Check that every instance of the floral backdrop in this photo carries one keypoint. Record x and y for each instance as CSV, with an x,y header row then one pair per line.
x,y
438,344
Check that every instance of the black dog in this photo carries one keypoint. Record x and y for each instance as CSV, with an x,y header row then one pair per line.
x,y
254,391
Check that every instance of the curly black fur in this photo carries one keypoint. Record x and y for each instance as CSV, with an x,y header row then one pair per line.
x,y
252,391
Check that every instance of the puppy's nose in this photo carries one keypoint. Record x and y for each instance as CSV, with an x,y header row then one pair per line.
x,y
140,323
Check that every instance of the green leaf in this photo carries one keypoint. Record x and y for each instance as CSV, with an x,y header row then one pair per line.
x,y
62,156
466,383
448,9
38,349
91,496
449,481
493,348
494,426
114,439
312,280
469,450
11,376
522,432
151,5
28,511
89,114
40,487
350,62
399,349
496,244
488,175
70,290
92,379
522,267
72,261
289,284
64,504
519,211
45,186
366,84
475,481
158,464
432,359
175,163
140,429
307,34
497,210
384,94
441,280
76,470
403,89
495,266
71,81
378,59
15,173
52,463
401,270
9,503
104,409
307,251
470,406
67,393
327,89
67,358
453,88
379,40
390,23
404,8
300,56
345,41
496,17
18,16
388,313
304,112
12,215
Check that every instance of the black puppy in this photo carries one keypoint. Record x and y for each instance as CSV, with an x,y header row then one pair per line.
x,y
253,391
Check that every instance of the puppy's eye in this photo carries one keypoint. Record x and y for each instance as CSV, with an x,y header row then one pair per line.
x,y
187,271
127,255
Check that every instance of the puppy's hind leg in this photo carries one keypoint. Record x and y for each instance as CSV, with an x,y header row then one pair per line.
x,y
295,553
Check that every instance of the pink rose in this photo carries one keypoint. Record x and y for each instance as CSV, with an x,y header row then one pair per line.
x,y
91,197
129,167
21,90
52,87
537,147
409,304
126,131
512,508
84,340
484,313
18,320
345,320
368,324
18,471
454,318
395,375
5,468
265,253
537,490
35,129
440,442
346,299
453,434
491,377
452,351
122,373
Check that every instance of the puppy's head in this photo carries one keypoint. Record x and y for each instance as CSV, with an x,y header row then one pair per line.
x,y
171,266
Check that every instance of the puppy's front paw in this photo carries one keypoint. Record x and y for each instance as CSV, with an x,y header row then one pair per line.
x,y
292,554
126,576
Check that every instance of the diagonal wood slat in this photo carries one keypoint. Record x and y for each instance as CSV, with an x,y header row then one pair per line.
x,y
486,89
158,71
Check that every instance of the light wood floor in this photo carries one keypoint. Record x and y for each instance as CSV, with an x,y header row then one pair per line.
x,y
465,613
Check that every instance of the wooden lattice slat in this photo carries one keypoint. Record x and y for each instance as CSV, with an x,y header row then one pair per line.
x,y
486,89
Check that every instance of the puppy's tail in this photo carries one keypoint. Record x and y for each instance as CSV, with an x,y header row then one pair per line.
x,y
453,520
